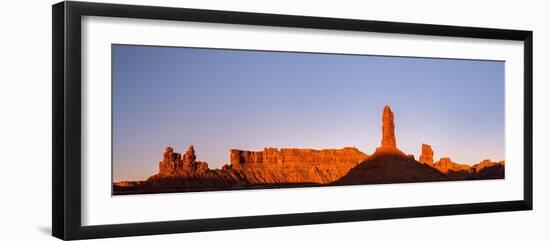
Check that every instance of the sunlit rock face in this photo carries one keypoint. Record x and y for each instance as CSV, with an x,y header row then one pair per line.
x,y
388,128
389,144
175,164
427,156
445,165
388,164
291,165
270,166
183,171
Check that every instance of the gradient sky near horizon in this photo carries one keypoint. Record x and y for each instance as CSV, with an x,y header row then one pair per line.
x,y
218,99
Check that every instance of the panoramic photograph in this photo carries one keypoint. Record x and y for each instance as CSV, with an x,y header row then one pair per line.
x,y
203,119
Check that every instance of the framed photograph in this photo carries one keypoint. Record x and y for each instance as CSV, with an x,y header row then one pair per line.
x,y
169,120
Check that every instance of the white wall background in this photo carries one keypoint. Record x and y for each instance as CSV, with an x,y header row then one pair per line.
x,y
25,122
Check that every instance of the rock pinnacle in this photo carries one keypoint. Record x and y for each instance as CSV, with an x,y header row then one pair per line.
x,y
388,134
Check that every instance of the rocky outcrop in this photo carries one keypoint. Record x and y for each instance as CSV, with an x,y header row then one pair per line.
x,y
427,156
445,165
183,171
484,164
487,169
290,165
388,143
175,164
388,164
388,128
269,168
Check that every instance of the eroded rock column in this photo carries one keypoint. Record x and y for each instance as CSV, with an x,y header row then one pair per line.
x,y
388,133
427,155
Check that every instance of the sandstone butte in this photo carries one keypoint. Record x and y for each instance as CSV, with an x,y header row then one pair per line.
x,y
273,167
295,165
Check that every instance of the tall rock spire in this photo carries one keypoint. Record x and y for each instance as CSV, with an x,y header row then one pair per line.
x,y
388,134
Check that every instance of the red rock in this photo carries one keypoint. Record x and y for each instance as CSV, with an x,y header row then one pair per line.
x,y
189,156
289,165
487,169
201,167
174,164
177,172
445,165
388,128
483,164
286,167
427,156
389,165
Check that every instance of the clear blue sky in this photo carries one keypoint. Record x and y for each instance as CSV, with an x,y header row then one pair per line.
x,y
217,100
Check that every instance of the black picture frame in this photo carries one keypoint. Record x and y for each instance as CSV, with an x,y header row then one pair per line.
x,y
66,75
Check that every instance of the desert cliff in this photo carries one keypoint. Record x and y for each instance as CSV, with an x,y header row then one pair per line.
x,y
290,165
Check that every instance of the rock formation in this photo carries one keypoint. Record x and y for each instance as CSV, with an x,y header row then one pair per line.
x,y
174,164
388,135
388,143
271,167
427,156
388,164
445,165
484,164
183,171
487,169
390,167
288,165
291,167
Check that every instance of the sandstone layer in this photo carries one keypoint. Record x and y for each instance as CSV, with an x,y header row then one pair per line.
x,y
445,165
288,165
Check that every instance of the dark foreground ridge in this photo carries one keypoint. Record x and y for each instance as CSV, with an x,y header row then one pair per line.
x,y
292,167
